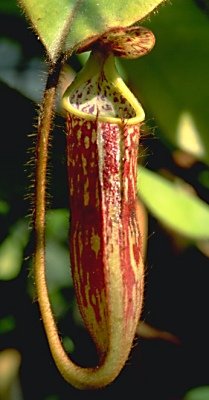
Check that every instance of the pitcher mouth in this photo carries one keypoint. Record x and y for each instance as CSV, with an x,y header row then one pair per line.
x,y
99,93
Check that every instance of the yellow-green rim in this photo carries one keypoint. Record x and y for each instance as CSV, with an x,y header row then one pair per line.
x,y
94,64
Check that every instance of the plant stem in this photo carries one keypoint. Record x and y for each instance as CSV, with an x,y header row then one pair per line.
x,y
43,136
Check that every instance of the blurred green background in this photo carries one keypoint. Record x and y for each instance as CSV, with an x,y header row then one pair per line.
x,y
172,83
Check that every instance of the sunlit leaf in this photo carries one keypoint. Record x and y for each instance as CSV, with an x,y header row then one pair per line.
x,y
63,24
174,207
172,81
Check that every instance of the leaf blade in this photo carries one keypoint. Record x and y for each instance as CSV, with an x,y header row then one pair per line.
x,y
62,25
174,207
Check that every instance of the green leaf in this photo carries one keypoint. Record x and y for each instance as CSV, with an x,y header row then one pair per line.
x,y
60,305
4,207
198,393
8,6
174,207
7,324
68,344
57,249
11,251
172,81
52,397
63,24
57,265
22,77
57,224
